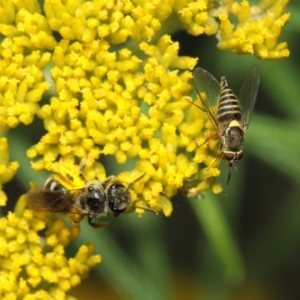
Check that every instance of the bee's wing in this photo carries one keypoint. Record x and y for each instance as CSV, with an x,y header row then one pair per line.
x,y
248,94
206,83
52,201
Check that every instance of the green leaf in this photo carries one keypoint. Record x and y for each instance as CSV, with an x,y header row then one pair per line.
x,y
214,222
276,142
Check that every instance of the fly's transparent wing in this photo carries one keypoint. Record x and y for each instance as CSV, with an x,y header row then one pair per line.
x,y
248,94
207,84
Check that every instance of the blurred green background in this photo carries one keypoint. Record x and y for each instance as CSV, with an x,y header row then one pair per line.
x,y
242,244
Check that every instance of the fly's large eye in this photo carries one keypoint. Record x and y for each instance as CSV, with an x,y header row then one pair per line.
x,y
230,155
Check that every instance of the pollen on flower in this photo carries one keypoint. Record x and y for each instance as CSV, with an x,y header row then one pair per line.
x,y
45,266
8,169
263,24
196,19
20,96
217,188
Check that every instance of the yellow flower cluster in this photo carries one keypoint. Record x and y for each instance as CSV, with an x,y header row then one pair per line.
x,y
23,56
35,267
8,169
128,108
119,90
258,28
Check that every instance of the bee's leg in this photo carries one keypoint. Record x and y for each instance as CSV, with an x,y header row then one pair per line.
x,y
97,225
82,167
75,216
109,179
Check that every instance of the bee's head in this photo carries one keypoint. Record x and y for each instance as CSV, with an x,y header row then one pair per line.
x,y
118,197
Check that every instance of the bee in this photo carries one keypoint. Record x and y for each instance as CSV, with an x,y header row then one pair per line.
x,y
229,115
95,199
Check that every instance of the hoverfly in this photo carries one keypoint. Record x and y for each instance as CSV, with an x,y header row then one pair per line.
x,y
229,115
95,199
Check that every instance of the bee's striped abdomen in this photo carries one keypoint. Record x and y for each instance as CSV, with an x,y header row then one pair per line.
x,y
229,107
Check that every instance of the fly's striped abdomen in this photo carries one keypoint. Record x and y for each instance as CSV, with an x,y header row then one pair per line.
x,y
228,108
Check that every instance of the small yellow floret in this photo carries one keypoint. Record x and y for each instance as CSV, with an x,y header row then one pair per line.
x,y
43,264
